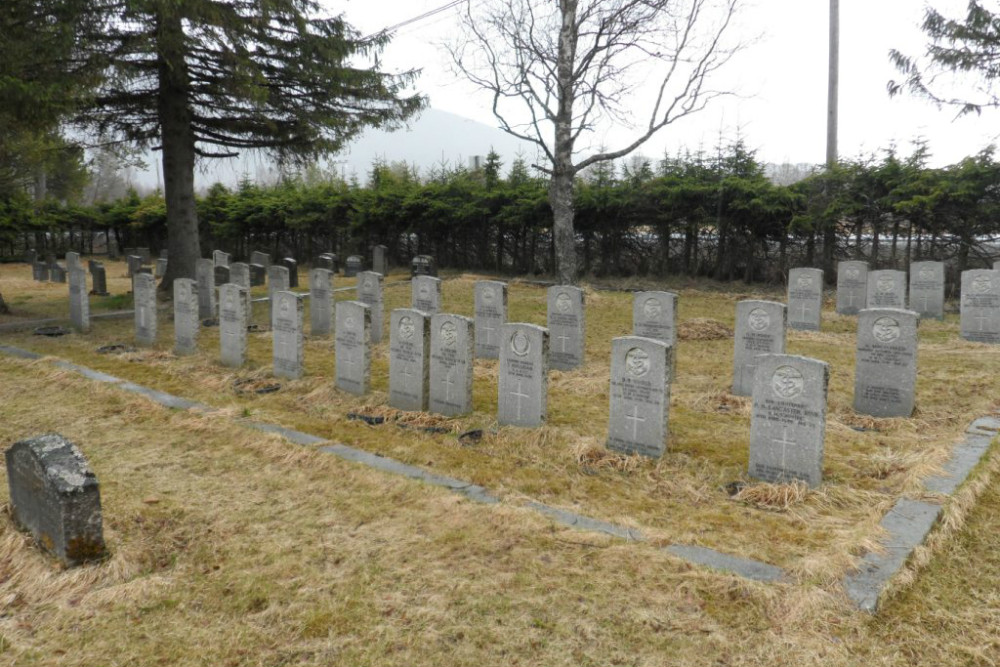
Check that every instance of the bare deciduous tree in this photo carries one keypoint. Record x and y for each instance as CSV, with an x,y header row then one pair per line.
x,y
558,69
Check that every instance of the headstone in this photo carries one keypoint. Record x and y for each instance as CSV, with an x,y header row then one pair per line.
x,y
452,353
286,324
423,265
220,258
886,289
353,266
144,254
258,275
262,258
40,271
220,275
640,395
852,287
277,281
129,252
73,261
567,327
79,300
204,270
425,294
239,274
144,297
233,321
409,352
30,256
352,347
369,292
134,263
491,313
927,289
146,269
293,271
112,249
91,265
161,267
185,316
885,372
805,298
760,329
654,315
326,261
980,309
320,302
55,496
380,260
523,367
788,419
57,273
100,280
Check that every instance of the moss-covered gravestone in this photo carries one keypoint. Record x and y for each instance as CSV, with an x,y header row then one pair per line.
x,y
55,496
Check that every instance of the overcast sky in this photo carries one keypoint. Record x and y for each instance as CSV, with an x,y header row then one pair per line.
x,y
781,108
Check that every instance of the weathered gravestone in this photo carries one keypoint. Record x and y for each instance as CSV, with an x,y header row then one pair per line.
x,y
788,419
760,329
927,289
185,316
980,310
133,264
57,273
885,372
452,353
293,271
277,281
523,387
491,314
258,275
79,301
220,275
55,496
144,297
220,258
380,260
369,292
100,280
40,271
327,261
852,287
144,254
262,258
886,289
567,327
409,352
233,321
204,270
654,315
161,267
352,347
639,396
805,298
320,302
239,274
73,261
287,327
423,265
353,265
425,294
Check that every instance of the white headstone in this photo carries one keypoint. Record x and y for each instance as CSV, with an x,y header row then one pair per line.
x,y
220,258
760,329
927,289
980,310
852,287
886,289
286,323
79,300
185,316
426,294
352,347
233,320
144,297
409,354
567,327
885,372
277,281
639,395
523,387
452,353
320,302
205,275
805,298
369,292
491,314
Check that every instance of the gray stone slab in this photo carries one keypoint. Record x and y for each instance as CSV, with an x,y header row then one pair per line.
x,y
17,352
380,260
886,289
233,321
221,275
186,323
144,297
353,265
451,363
352,347
927,289
490,314
964,457
409,357
144,254
423,265
639,396
566,320
204,270
160,267
984,426
55,496
298,437
370,292
277,281
286,323
258,275
79,300
907,523
99,278
57,273
760,329
654,315
73,261
805,299
293,271
40,271
523,375
980,309
220,258
788,419
426,294
716,560
239,274
588,524
261,258
885,371
88,373
163,398
852,287
320,302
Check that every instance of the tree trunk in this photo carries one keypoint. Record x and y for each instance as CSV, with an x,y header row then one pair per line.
x,y
561,184
178,150
4,310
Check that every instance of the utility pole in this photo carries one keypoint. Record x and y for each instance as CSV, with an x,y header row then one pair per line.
x,y
833,85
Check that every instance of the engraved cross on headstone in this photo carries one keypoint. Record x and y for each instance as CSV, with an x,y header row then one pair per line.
x,y
850,298
784,441
489,333
805,310
982,318
519,396
635,419
563,339
448,382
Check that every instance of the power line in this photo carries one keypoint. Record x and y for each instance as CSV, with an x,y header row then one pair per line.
x,y
443,8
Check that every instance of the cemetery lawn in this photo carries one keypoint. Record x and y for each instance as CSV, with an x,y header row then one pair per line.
x,y
684,498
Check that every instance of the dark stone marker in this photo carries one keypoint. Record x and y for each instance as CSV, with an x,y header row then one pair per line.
x,y
353,266
221,275
258,275
293,271
55,496
58,273
40,271
423,265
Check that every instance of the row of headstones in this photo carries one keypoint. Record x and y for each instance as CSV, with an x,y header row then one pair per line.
x,y
859,288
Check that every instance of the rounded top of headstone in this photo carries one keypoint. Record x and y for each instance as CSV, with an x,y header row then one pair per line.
x,y
66,466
